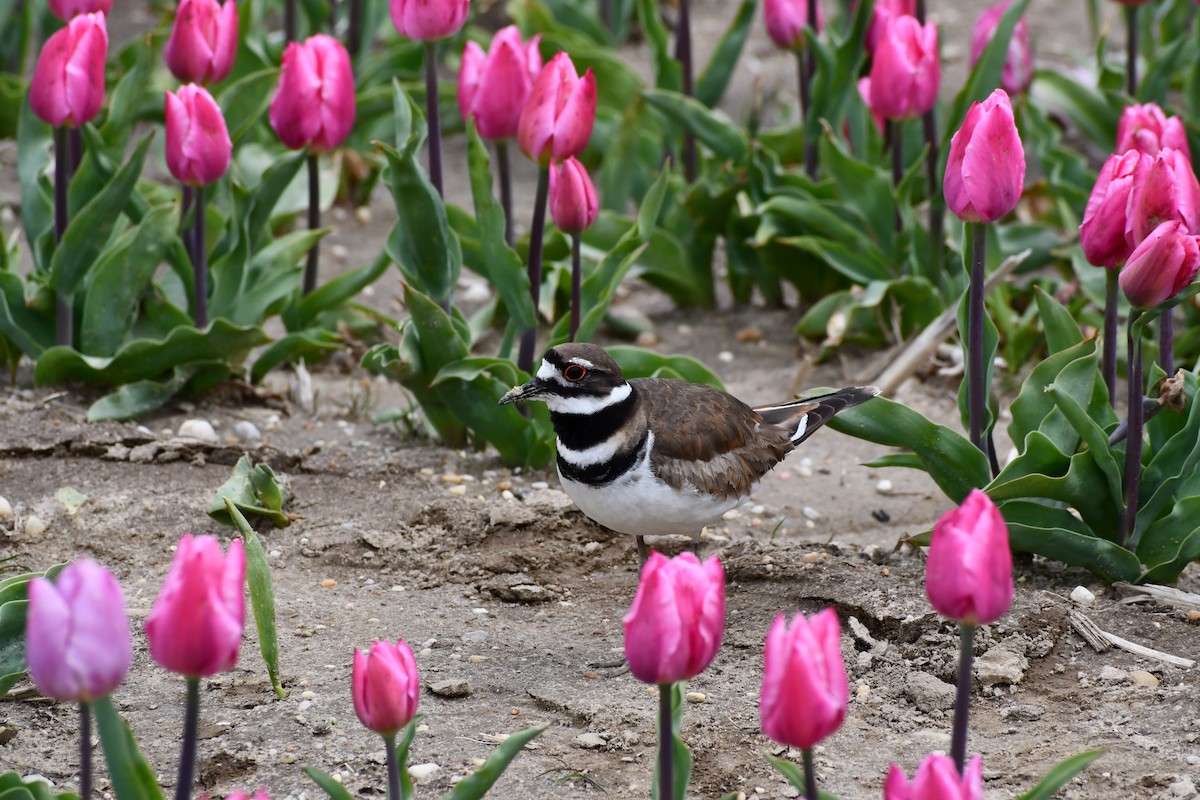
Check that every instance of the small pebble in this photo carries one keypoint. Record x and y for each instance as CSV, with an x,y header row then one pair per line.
x,y
363,214
1193,616
695,697
811,513
507,495
884,487
5,509
459,490
34,525
198,429
1142,678
455,687
247,431
813,558
539,485
725,357
423,773
474,636
1082,596
590,740
328,583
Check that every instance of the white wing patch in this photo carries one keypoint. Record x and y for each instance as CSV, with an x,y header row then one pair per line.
x,y
799,434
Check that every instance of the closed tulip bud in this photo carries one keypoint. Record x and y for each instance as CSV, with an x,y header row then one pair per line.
x,y
1018,64
675,626
66,9
493,86
786,19
968,574
76,633
429,20
882,14
557,120
1161,266
905,70
195,626
1102,234
314,104
1147,129
573,204
203,41
864,91
985,172
261,794
198,145
937,778
804,692
67,87
385,686
1164,188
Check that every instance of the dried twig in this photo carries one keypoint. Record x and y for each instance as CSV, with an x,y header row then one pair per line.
x,y
1100,640
1168,595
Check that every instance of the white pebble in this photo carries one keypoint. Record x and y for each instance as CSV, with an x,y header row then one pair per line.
x,y
421,773
725,357
198,429
758,510
696,697
34,525
539,485
5,509
884,487
458,490
1082,596
811,513
247,431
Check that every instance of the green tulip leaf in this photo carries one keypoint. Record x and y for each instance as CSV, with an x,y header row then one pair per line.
x,y
1061,329
985,75
332,788
795,775
311,343
245,100
32,332
713,81
682,757
255,490
1168,469
1091,111
12,643
668,73
141,397
1055,533
713,128
258,579
638,362
1170,543
275,180
1060,774
35,141
476,785
132,777
337,291
402,747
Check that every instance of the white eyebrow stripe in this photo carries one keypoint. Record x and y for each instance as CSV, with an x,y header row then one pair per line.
x,y
583,362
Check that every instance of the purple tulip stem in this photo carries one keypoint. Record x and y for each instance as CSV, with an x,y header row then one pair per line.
x,y
1133,444
683,54
810,775
536,232
432,115
185,232
75,138
1166,342
894,133
921,11
393,767
314,222
1131,50
962,700
64,311
937,203
606,15
504,167
187,755
666,744
806,64
289,20
85,751
976,391
354,29
200,262
576,282
1108,358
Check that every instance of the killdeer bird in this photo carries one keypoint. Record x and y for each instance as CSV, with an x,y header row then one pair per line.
x,y
650,457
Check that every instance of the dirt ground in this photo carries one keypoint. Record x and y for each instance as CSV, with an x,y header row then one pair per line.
x,y
514,594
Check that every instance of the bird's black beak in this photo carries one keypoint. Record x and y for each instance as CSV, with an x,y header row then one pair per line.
x,y
526,391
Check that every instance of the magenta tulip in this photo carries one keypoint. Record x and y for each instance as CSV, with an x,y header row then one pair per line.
x,y
573,203
1018,65
864,91
314,104
804,691
1102,234
198,145
493,86
905,70
882,14
557,120
1147,129
203,41
986,169
785,20
76,633
968,574
385,686
674,628
936,779
195,626
1164,188
1161,266
67,87
429,20
66,9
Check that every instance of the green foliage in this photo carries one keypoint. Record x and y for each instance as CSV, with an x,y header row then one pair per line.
x,y
14,787
13,605
262,593
255,490
131,775
682,755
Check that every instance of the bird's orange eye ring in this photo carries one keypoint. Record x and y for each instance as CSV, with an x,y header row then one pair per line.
x,y
574,373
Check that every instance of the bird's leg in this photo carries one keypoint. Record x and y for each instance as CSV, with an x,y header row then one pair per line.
x,y
643,552
698,543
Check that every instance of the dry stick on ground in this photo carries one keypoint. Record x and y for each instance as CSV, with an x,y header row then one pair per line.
x,y
1101,640
1168,595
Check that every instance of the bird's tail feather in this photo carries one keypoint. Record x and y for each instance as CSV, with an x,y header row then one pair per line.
x,y
807,415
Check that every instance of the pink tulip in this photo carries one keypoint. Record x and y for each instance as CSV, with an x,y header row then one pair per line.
x,y
1147,129
804,692
968,574
1102,234
557,120
986,169
864,91
905,70
674,628
882,14
261,794
786,19
429,20
493,86
937,779
1018,65
66,9
1161,266
573,203
67,87
76,633
195,626
198,145
203,41
385,686
314,104
1164,188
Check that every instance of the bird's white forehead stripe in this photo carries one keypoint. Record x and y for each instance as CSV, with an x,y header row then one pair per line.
x,y
547,370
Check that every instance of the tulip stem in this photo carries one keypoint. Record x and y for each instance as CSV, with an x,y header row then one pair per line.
x,y
683,54
187,755
962,701
536,231
393,767
314,222
1133,443
976,385
1131,50
937,203
606,15
810,775
85,751
200,262
354,29
576,282
805,62
289,20
185,231
504,167
64,311
1166,342
920,9
75,139
1108,359
433,117
666,743
894,133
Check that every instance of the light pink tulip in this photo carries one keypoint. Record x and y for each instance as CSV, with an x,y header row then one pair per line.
x,y
314,104
76,633
1164,188
936,779
882,14
67,87
260,794
675,626
1102,234
385,686
1161,266
905,70
1018,65
864,91
557,120
493,86
195,626
203,41
1147,129
573,203
66,9
198,145
429,20
985,173
968,574
804,691
785,20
